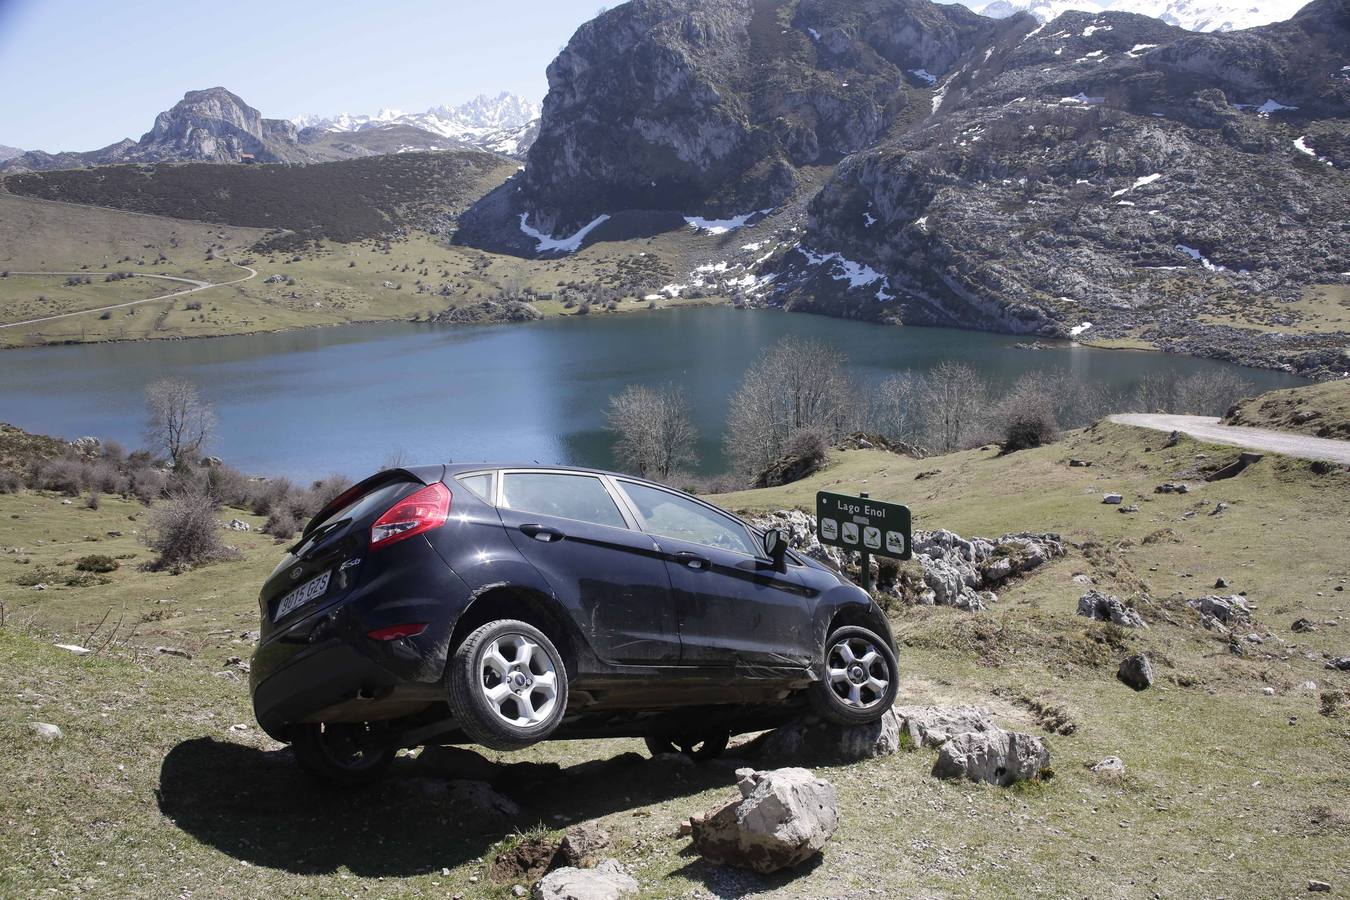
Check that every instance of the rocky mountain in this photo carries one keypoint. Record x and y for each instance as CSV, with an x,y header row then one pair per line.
x,y
1193,15
9,152
712,107
503,124
1103,172
216,126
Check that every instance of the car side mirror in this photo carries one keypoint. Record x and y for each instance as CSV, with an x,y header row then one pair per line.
x,y
775,547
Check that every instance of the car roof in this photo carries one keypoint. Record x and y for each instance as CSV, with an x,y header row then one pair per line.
x,y
460,468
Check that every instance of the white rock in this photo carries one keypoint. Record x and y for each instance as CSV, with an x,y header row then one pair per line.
x,y
783,818
996,757
75,648
1110,764
933,726
607,881
45,730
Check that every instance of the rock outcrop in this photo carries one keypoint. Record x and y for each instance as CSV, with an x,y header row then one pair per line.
x,y
1105,608
783,818
994,757
955,571
933,726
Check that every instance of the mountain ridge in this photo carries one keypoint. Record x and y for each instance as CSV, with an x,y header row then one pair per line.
x,y
216,126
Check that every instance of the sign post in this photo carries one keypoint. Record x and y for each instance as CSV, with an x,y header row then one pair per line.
x,y
865,525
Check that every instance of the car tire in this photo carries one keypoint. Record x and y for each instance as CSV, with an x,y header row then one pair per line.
x,y
859,678
703,747
343,754
507,685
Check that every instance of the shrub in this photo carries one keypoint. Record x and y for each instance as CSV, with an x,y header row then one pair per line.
x,y
282,523
325,491
147,484
807,444
230,487
185,533
93,502
1025,417
66,475
10,482
97,562
270,495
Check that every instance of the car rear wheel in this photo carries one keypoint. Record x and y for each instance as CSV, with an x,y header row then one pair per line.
x,y
707,746
860,678
508,685
341,753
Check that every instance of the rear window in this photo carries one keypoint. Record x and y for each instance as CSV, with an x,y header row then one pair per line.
x,y
369,505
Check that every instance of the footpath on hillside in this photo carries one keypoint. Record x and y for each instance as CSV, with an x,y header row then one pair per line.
x,y
1210,429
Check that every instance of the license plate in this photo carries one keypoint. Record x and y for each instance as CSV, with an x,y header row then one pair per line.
x,y
302,595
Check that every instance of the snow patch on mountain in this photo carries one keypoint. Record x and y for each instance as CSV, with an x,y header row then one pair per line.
x,y
722,226
855,273
1193,15
546,243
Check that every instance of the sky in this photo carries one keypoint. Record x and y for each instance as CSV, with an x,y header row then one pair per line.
x,y
81,75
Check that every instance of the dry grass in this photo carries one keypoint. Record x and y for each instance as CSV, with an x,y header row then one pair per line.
x,y
1228,791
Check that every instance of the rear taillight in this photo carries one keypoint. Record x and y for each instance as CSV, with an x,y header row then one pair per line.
x,y
414,514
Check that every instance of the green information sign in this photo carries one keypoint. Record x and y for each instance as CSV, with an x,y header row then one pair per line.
x,y
868,526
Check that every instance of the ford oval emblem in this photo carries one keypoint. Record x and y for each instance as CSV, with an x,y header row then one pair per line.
x,y
297,572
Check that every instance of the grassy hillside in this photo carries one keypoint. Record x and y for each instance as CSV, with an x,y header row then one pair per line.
x,y
162,785
1322,410
38,236
323,283
343,201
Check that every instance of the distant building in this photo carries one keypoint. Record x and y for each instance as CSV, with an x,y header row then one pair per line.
x,y
247,158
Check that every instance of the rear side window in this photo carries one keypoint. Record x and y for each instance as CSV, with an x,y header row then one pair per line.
x,y
580,497
670,515
480,485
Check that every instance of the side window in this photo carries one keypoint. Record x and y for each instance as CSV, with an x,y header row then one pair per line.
x,y
481,485
671,515
580,497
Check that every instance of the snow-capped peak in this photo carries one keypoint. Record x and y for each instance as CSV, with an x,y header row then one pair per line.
x,y
477,118
1193,15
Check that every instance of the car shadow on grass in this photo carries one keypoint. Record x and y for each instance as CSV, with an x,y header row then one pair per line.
x,y
258,807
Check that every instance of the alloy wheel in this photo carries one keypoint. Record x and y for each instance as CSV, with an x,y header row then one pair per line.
x,y
857,673
519,680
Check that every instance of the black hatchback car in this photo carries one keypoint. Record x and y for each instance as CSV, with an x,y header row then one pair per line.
x,y
504,605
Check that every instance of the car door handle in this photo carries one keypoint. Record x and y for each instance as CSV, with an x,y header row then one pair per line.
x,y
692,560
543,533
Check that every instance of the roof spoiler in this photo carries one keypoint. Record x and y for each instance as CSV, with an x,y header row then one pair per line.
x,y
421,474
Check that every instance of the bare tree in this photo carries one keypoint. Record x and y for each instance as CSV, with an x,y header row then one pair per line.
x,y
895,409
796,385
1211,393
953,397
655,428
178,421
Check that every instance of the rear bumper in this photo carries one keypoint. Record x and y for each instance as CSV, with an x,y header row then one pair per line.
x,y
323,667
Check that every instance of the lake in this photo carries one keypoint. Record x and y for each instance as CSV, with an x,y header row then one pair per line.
x,y
306,403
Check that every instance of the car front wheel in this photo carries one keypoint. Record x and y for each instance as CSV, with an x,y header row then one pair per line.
x,y
345,754
859,679
508,685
